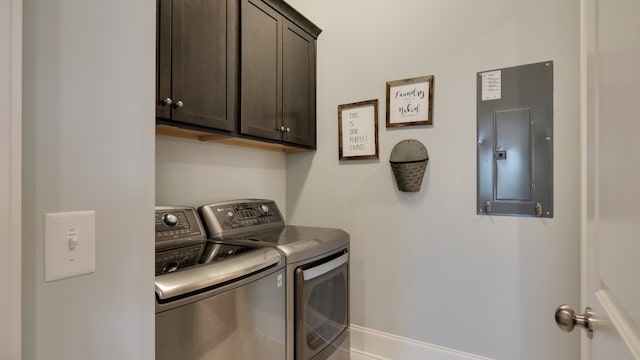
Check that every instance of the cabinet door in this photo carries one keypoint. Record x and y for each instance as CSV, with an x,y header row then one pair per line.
x,y
204,61
261,68
163,58
299,86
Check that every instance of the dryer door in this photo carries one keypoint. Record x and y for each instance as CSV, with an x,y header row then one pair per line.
x,y
322,304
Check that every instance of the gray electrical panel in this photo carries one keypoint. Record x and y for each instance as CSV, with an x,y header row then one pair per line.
x,y
515,141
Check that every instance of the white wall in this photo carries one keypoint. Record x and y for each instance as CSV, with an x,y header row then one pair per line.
x,y
196,173
424,265
89,145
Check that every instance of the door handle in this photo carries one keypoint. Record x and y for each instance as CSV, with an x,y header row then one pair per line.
x,y
322,269
567,319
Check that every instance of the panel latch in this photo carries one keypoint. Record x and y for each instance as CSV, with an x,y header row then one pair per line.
x,y
500,155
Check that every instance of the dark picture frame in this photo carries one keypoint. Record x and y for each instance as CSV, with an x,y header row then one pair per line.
x,y
358,130
410,102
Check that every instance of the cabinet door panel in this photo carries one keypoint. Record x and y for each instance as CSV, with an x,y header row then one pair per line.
x,y
261,80
299,86
163,58
201,63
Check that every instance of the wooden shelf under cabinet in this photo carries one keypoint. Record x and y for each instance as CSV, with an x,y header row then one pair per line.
x,y
166,130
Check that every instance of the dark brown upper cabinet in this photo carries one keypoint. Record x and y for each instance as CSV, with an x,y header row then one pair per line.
x,y
278,73
197,64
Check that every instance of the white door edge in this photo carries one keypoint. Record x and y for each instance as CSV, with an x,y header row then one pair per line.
x,y
584,354
616,333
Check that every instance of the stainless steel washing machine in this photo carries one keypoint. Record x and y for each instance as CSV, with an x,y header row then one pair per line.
x,y
215,300
317,272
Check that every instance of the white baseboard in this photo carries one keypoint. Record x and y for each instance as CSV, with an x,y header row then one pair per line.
x,y
379,345
360,355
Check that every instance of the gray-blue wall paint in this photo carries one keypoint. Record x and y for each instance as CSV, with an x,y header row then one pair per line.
x,y
88,144
424,265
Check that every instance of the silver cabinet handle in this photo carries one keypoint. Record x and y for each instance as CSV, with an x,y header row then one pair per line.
x,y
167,102
567,319
178,104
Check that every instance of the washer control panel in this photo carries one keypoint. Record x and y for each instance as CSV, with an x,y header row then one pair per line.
x,y
176,225
230,217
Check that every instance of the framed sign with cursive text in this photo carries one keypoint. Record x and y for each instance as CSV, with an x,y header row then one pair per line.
x,y
410,102
358,130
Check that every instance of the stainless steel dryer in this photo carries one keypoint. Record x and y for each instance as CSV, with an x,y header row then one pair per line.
x,y
317,276
215,300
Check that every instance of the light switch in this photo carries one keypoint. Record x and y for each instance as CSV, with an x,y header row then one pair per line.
x,y
69,244
73,240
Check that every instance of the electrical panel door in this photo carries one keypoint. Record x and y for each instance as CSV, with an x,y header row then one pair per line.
x,y
515,141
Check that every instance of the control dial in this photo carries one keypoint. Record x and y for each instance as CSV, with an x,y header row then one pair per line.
x,y
170,219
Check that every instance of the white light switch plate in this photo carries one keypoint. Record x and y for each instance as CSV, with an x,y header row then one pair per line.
x,y
69,244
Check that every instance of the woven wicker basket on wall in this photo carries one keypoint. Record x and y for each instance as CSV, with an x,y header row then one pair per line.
x,y
409,162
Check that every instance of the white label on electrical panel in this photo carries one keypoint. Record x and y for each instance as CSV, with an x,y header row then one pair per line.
x,y
279,280
492,85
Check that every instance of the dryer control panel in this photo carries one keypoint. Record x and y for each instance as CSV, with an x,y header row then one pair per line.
x,y
231,217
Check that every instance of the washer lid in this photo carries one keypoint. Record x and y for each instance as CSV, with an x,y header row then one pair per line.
x,y
209,276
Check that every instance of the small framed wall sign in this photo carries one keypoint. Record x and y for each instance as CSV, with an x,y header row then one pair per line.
x,y
410,102
358,130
